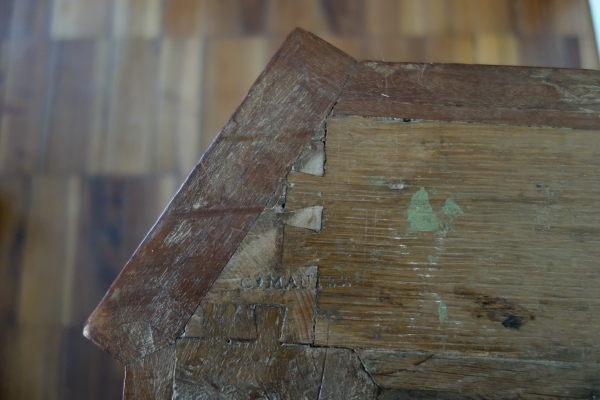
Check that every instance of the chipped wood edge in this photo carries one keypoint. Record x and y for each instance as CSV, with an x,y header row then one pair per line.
x,y
110,316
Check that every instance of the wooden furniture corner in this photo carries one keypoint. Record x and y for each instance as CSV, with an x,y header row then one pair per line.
x,y
375,230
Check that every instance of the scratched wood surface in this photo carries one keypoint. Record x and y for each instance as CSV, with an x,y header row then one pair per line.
x,y
457,240
77,195
456,257
542,97
149,303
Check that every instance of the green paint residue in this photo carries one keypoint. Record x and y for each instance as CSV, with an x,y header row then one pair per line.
x,y
431,259
422,218
442,312
432,191
420,213
378,182
451,208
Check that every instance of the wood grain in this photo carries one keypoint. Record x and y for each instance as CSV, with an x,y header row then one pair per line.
x,y
235,369
220,200
457,239
487,376
151,377
186,36
256,274
471,93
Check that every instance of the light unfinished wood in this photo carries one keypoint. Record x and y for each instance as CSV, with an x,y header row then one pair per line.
x,y
456,239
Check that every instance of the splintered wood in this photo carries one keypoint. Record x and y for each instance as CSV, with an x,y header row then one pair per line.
x,y
457,240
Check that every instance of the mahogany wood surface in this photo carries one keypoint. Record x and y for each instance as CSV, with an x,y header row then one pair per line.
x,y
81,185
515,95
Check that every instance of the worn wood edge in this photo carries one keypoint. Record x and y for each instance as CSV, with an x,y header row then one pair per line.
x,y
368,94
98,328
418,370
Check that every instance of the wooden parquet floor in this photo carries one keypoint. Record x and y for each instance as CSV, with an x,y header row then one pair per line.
x,y
106,105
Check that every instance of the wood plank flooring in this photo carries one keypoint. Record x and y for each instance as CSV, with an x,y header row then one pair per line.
x,y
106,105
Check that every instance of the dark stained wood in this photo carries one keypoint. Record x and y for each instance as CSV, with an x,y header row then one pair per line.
x,y
33,369
472,93
156,294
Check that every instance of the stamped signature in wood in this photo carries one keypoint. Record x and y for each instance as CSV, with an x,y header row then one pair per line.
x,y
281,282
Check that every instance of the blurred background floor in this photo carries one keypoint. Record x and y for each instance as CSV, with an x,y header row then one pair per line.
x,y
106,105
